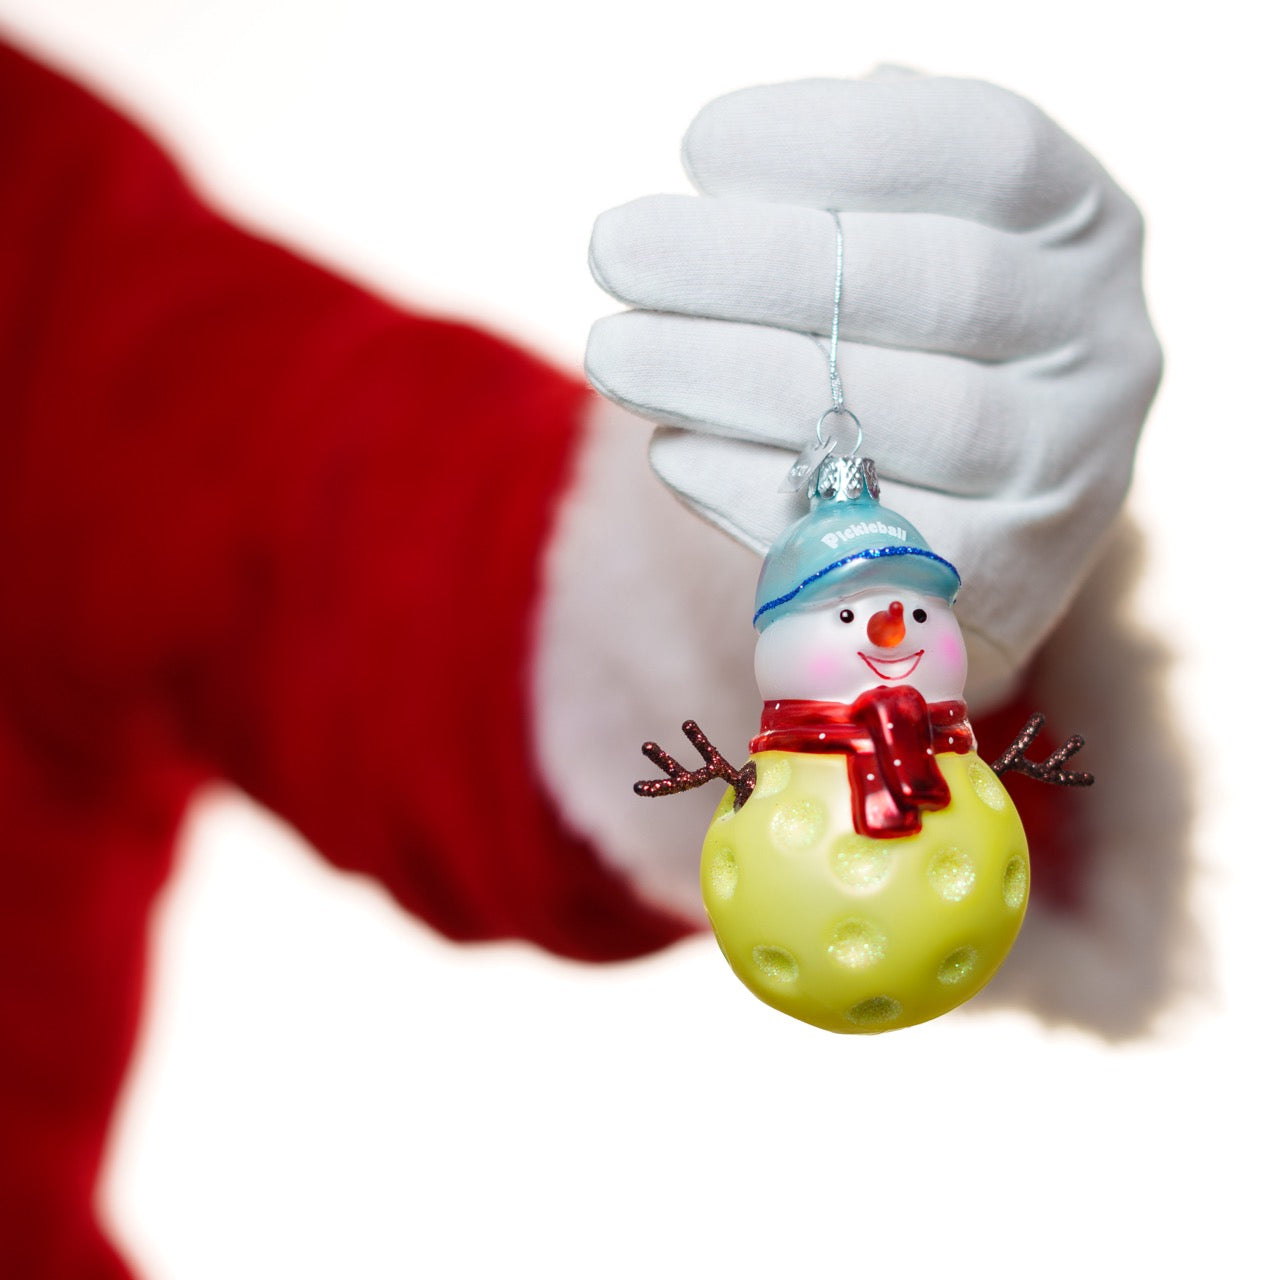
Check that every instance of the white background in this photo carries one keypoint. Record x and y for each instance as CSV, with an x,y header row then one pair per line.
x,y
325,1090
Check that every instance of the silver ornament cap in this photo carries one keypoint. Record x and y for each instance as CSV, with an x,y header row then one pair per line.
x,y
841,478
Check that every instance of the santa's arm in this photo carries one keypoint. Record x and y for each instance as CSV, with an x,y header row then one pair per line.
x,y
303,528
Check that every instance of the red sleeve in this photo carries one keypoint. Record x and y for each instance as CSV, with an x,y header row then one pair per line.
x,y
254,524
255,516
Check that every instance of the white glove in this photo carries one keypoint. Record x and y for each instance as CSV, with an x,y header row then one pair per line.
x,y
994,339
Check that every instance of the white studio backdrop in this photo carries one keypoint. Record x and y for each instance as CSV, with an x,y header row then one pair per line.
x,y
326,1090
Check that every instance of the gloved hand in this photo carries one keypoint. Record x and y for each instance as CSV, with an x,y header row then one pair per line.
x,y
994,339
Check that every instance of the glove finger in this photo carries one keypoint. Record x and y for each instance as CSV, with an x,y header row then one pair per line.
x,y
1020,556
921,144
922,281
742,499
936,420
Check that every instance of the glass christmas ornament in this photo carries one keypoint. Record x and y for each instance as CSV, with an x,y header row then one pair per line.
x,y
865,870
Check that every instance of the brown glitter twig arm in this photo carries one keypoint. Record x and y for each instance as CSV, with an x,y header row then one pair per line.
x,y
679,778
1050,769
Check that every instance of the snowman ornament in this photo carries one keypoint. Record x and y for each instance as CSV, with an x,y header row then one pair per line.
x,y
865,870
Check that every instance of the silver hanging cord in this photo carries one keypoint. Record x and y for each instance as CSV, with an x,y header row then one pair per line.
x,y
808,460
833,368
838,407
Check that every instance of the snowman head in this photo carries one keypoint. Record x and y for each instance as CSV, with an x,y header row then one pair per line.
x,y
852,597
836,649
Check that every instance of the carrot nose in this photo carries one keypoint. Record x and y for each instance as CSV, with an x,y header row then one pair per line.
x,y
886,628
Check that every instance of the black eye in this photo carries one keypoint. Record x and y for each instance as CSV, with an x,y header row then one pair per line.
x,y
919,615
846,615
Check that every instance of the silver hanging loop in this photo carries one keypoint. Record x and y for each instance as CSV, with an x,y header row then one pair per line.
x,y
841,411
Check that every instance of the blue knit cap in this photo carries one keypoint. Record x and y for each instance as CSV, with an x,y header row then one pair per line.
x,y
846,544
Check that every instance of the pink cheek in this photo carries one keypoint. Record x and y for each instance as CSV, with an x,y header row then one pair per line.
x,y
825,665
949,652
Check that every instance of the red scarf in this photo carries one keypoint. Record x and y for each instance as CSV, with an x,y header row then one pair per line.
x,y
889,738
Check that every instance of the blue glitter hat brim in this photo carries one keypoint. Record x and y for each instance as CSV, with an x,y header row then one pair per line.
x,y
873,553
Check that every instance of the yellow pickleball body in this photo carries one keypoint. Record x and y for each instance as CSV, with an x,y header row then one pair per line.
x,y
857,934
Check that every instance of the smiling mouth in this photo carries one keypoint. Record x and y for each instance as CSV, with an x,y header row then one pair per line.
x,y
893,668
